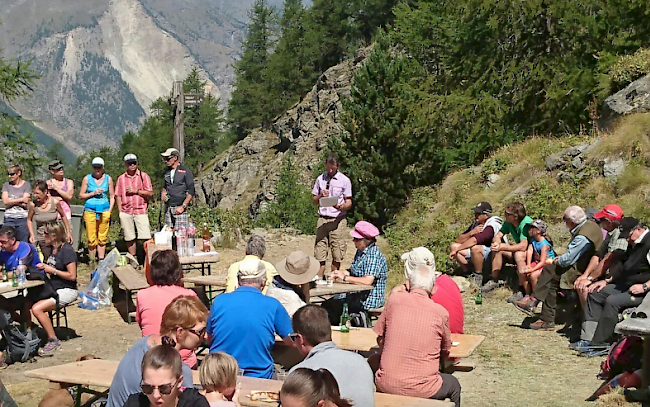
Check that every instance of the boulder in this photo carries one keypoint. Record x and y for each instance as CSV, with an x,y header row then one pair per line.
x,y
492,179
613,167
634,98
559,159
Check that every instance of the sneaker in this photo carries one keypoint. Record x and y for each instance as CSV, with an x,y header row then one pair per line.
x,y
518,296
582,343
594,351
50,346
489,286
527,306
542,326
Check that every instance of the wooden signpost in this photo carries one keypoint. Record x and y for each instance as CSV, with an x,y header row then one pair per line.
x,y
182,100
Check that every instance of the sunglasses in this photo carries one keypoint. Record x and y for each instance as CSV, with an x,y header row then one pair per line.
x,y
639,314
510,214
293,337
169,158
164,389
131,162
12,173
196,332
98,166
4,242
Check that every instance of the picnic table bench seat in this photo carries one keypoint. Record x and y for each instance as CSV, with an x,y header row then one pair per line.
x,y
131,281
60,310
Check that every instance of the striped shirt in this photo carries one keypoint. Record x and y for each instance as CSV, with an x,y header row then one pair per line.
x,y
133,204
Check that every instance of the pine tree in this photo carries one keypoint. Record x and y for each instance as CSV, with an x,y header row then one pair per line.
x,y
329,32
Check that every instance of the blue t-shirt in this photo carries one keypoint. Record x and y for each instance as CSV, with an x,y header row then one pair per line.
x,y
25,252
537,247
243,324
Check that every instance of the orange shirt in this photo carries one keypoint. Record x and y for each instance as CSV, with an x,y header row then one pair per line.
x,y
415,330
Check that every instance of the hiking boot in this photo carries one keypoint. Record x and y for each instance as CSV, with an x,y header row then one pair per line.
x,y
489,286
476,279
579,345
49,348
542,326
526,305
518,296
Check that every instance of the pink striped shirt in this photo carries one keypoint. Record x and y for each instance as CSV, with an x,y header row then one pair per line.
x,y
133,204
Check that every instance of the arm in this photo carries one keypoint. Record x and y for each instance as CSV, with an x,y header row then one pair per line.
x,y
70,272
66,223
529,255
231,279
30,225
11,201
111,194
66,195
147,188
542,259
118,201
578,246
519,247
464,237
317,193
345,206
638,289
82,190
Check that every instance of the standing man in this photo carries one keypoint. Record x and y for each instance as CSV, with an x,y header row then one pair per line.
x,y
178,191
132,190
330,230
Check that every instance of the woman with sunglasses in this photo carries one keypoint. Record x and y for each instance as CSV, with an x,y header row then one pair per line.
x,y
97,190
16,196
166,274
162,382
182,327
61,266
45,209
311,388
61,187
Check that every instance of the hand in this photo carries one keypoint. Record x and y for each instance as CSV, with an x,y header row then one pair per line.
x,y
526,270
25,200
50,184
41,266
163,195
32,240
581,283
495,247
130,190
179,210
325,193
70,239
99,191
637,289
477,229
453,254
597,286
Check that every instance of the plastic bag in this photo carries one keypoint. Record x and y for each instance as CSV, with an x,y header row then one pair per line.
x,y
99,292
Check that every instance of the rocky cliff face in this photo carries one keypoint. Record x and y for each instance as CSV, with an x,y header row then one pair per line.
x,y
244,176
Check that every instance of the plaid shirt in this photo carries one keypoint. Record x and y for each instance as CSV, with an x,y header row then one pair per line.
x,y
370,262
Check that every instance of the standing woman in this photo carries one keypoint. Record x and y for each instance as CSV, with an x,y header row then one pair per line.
x,y
61,187
97,190
15,195
61,266
43,210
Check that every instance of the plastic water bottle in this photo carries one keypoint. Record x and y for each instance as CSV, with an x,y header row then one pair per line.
x,y
191,238
21,271
181,241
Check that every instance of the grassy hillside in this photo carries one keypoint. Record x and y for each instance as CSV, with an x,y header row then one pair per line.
x,y
434,216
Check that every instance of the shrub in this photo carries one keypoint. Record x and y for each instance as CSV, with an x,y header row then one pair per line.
x,y
629,68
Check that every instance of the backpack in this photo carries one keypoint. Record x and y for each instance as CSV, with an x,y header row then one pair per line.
x,y
21,346
625,355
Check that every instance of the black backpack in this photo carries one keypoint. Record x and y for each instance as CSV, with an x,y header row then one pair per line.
x,y
21,346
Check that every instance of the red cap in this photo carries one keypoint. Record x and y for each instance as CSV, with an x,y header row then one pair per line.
x,y
612,212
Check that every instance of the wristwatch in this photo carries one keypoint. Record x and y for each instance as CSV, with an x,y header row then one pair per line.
x,y
645,287
184,206
590,278
345,277
55,270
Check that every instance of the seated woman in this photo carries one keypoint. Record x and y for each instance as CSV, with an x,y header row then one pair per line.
x,y
183,327
61,266
166,274
290,286
368,268
311,388
162,382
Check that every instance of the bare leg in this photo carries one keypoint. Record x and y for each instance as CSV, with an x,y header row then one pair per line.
x,y
460,256
520,261
321,270
497,263
40,310
101,251
92,252
130,247
532,277
336,265
476,253
582,296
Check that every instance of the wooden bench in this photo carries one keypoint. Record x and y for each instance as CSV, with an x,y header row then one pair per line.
x,y
373,314
132,281
59,311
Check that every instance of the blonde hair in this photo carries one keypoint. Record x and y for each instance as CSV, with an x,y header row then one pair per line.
x,y
57,229
15,168
218,371
184,312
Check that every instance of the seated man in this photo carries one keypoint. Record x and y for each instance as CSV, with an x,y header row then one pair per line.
x,y
516,225
313,339
291,285
624,288
244,323
610,252
474,243
586,236
255,249
445,290
414,339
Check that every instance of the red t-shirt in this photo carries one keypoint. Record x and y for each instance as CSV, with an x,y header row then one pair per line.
x,y
448,295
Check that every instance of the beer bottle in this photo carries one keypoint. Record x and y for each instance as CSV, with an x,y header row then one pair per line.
x,y
479,297
207,236
14,279
5,276
345,319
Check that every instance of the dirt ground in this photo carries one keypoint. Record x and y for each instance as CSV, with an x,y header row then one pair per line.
x,y
513,367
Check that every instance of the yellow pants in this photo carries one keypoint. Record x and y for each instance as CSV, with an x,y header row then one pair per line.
x,y
97,229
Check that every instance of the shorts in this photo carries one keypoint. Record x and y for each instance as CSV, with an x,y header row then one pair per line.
x,y
176,221
331,236
486,252
131,223
66,296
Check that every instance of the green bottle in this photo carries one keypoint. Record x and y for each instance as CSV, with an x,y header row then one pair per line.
x,y
14,280
479,297
345,319
5,276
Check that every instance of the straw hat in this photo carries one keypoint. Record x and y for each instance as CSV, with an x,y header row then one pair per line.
x,y
298,268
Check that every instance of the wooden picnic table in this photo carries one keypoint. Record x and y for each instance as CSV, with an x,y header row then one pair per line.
x,y
364,339
200,261
99,373
7,287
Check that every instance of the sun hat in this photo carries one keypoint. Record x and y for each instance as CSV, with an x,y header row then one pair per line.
x,y
170,152
628,224
130,157
97,161
612,212
418,257
251,268
55,165
364,230
539,224
483,207
298,268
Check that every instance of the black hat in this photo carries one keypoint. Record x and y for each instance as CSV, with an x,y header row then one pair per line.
x,y
628,224
483,207
55,165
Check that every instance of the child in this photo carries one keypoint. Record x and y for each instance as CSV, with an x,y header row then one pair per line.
x,y
540,252
218,376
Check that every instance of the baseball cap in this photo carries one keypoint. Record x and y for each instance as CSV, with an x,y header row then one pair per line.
x,y
420,256
97,161
130,157
298,268
170,152
628,224
612,212
251,268
483,207
364,230
55,165
539,224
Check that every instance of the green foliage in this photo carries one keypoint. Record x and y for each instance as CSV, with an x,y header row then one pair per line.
x,y
494,165
233,224
630,67
293,205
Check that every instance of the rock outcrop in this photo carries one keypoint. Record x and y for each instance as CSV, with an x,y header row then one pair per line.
x,y
634,98
244,176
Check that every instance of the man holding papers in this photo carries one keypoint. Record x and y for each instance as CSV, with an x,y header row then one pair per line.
x,y
333,194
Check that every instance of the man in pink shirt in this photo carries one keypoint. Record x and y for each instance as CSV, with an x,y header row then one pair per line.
x,y
132,190
331,226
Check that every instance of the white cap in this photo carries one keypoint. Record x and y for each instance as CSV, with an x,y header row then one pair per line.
x,y
418,257
130,157
98,161
170,152
251,268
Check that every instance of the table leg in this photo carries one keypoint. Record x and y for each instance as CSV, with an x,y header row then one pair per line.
x,y
126,305
646,362
202,269
77,401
